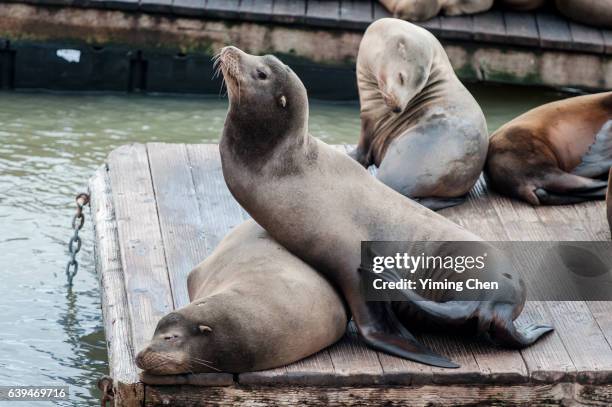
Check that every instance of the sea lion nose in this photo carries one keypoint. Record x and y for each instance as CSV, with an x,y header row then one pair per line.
x,y
397,109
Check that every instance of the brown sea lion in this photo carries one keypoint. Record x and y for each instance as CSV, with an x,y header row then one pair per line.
x,y
320,204
522,5
253,306
589,12
555,153
421,10
419,125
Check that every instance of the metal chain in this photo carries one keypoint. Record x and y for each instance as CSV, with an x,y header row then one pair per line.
x,y
77,224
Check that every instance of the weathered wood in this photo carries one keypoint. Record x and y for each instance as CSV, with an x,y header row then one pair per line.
x,y
181,191
585,38
289,11
156,6
115,308
489,26
521,28
222,8
457,27
189,7
554,31
256,10
179,215
142,250
356,13
525,395
323,12
379,11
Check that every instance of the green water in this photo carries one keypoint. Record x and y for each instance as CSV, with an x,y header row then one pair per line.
x,y
50,145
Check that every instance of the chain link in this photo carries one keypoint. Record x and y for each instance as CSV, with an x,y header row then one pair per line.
x,y
77,224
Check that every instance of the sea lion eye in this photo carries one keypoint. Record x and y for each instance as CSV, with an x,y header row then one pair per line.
x,y
261,74
401,78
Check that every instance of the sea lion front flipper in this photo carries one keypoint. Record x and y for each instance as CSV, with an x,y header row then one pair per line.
x,y
388,335
598,159
549,198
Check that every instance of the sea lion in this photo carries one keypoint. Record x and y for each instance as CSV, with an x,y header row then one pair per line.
x,y
320,204
253,306
590,12
522,5
609,200
421,10
419,125
555,153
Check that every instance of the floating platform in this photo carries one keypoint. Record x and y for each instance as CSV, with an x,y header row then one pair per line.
x,y
166,45
160,209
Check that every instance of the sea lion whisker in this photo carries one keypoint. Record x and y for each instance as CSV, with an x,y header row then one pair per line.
x,y
203,360
192,360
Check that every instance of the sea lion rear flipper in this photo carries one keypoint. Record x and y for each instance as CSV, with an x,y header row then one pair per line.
x,y
390,336
598,159
549,198
503,332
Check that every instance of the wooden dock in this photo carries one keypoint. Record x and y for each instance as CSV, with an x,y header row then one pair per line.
x,y
159,209
533,48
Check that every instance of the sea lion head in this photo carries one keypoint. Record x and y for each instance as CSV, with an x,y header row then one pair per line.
x,y
267,99
401,68
185,341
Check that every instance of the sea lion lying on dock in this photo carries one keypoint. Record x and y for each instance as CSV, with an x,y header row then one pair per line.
x,y
522,5
597,13
422,10
254,306
558,153
320,204
419,125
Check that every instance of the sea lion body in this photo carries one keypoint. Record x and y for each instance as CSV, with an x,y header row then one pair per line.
x,y
421,10
260,307
590,12
320,204
555,153
609,200
522,5
419,125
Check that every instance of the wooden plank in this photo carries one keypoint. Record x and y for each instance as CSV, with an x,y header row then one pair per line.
x,y
554,31
219,210
586,38
521,28
222,8
489,26
289,11
574,324
256,10
433,25
379,11
115,307
447,396
179,215
142,253
357,14
189,7
157,6
607,36
323,12
457,27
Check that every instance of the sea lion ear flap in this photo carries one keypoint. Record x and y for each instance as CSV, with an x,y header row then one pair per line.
x,y
283,101
204,329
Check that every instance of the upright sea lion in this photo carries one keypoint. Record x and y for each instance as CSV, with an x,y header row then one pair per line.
x,y
253,306
421,10
590,12
522,5
320,204
555,153
419,124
